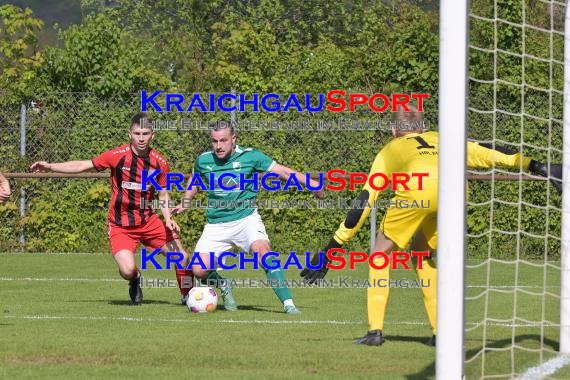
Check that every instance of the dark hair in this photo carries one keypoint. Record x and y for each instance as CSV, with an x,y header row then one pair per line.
x,y
222,124
138,118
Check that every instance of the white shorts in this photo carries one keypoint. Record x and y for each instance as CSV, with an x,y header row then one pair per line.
x,y
219,237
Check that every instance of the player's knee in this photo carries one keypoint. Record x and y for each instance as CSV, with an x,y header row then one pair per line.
x,y
260,246
126,264
128,272
260,258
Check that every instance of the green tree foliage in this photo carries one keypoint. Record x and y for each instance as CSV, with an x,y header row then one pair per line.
x,y
288,46
101,58
19,57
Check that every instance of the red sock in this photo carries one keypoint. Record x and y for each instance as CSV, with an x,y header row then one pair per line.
x,y
188,281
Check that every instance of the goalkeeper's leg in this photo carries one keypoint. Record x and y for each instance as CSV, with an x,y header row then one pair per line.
x,y
378,296
427,275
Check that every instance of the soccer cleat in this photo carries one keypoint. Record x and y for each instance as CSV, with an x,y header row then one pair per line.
x,y
184,299
230,303
135,291
431,341
292,310
372,338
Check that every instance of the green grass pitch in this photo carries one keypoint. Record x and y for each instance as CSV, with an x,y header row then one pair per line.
x,y
68,316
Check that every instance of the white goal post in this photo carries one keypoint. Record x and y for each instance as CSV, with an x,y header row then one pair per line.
x,y
451,213
453,79
565,258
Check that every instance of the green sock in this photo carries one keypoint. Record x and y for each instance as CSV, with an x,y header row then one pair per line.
x,y
282,291
215,278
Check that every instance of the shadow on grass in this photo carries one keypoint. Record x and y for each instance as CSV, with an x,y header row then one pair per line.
x,y
407,339
394,338
128,302
429,371
256,308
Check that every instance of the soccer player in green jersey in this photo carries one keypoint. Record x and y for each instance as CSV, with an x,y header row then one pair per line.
x,y
241,226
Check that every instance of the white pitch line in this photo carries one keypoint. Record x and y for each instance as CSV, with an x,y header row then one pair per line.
x,y
61,279
54,253
545,369
191,320
511,286
120,280
246,321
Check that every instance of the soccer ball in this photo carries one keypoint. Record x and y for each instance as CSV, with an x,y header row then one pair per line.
x,y
202,299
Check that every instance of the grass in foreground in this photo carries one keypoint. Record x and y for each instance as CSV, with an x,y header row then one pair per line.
x,y
68,316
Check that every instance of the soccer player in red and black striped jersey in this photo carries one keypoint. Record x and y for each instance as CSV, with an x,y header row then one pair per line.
x,y
127,223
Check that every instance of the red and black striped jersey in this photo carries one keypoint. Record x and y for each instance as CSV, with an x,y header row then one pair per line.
x,y
126,179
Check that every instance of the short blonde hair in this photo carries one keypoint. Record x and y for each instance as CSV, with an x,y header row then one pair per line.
x,y
411,116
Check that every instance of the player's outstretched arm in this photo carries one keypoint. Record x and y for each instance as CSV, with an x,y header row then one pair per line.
x,y
353,222
313,275
69,167
345,232
487,156
4,188
284,172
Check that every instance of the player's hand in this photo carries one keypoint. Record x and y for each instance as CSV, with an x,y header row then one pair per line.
x,y
541,169
313,275
41,166
172,225
319,194
178,209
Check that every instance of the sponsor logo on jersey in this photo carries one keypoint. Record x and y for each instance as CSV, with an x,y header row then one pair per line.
x,y
230,182
131,185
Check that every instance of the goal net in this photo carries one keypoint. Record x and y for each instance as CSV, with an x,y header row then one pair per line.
x,y
513,244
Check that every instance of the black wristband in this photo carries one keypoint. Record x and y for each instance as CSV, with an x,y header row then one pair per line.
x,y
537,167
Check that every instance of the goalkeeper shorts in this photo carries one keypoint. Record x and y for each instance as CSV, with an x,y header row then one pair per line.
x,y
401,224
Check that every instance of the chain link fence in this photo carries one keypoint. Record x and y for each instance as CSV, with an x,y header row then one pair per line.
x,y
69,214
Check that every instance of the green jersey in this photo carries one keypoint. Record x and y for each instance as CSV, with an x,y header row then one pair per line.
x,y
242,161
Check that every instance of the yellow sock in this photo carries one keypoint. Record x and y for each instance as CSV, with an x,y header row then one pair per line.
x,y
429,273
377,296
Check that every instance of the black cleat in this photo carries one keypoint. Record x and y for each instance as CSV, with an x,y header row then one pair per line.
x,y
431,341
135,291
372,338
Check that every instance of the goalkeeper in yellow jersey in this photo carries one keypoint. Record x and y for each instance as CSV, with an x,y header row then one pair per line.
x,y
412,151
